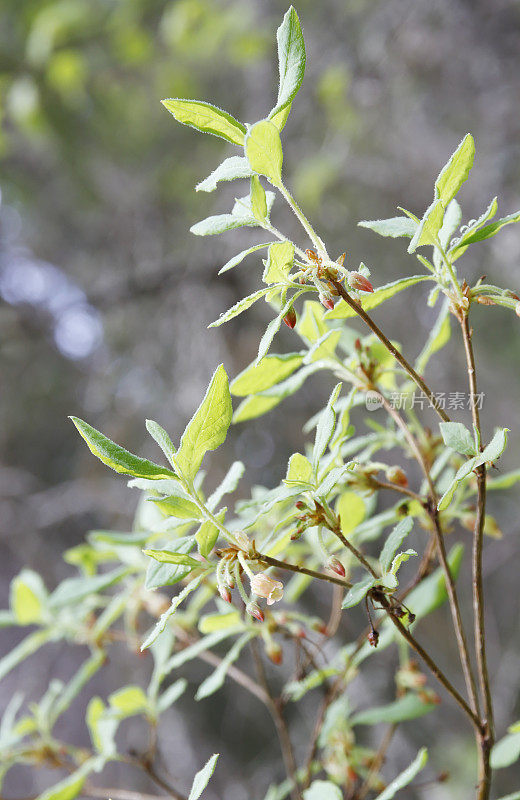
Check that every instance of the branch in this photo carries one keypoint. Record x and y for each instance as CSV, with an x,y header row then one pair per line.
x,y
274,562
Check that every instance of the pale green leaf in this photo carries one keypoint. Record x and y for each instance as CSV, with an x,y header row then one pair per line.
x,y
27,597
162,574
291,59
258,199
231,169
358,592
177,506
209,623
128,701
370,301
263,149
163,620
280,117
23,650
323,790
459,245
208,427
411,706
207,534
213,683
239,307
169,557
220,223
428,229
394,227
116,457
430,594
456,171
405,777
270,371
73,590
233,262
227,486
280,261
255,406
206,118
457,436
325,427
170,695
506,751
202,777
163,440
299,471
352,511
438,337
394,542
71,786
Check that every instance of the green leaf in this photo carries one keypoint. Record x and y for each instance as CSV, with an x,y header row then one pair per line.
x,y
177,506
270,371
405,777
299,471
231,169
457,436
280,261
428,229
239,307
299,688
128,701
170,695
28,597
323,790
430,594
490,454
163,620
116,457
344,311
263,149
456,171
504,481
394,542
325,427
207,535
358,592
163,440
102,727
227,486
23,650
233,262
169,557
514,796
399,559
311,325
164,574
213,683
209,623
460,244
71,786
255,406
439,336
394,227
220,223
291,60
73,590
352,511
280,117
258,199
208,427
506,751
206,118
408,707
202,777
496,447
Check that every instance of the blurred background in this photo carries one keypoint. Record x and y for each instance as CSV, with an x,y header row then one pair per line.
x,y
105,295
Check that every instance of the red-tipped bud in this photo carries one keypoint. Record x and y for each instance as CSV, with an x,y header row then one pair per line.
x,y
254,610
357,344
225,593
290,318
358,282
373,637
274,652
336,566
397,476
328,302
300,505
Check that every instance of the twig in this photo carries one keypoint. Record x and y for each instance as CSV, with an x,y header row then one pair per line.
x,y
376,763
485,740
391,348
274,562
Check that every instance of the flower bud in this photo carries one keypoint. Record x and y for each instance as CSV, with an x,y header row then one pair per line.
x,y
300,505
397,476
225,593
265,586
254,610
373,637
358,282
274,652
336,566
328,302
290,318
312,256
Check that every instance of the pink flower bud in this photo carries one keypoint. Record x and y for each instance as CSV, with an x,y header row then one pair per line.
x,y
397,476
254,610
274,652
358,282
300,505
336,566
290,318
225,593
265,586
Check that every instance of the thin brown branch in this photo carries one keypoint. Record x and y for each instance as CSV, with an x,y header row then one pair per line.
x,y
376,763
274,562
391,348
486,739
280,724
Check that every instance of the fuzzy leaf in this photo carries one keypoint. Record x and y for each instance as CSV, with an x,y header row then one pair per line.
x,y
263,150
258,199
116,457
405,777
280,261
325,427
176,601
323,790
394,542
358,592
428,229
233,262
506,751
457,436
291,60
394,227
169,557
220,223
299,471
231,169
270,371
456,171
408,707
202,777
239,307
370,301
206,118
209,425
